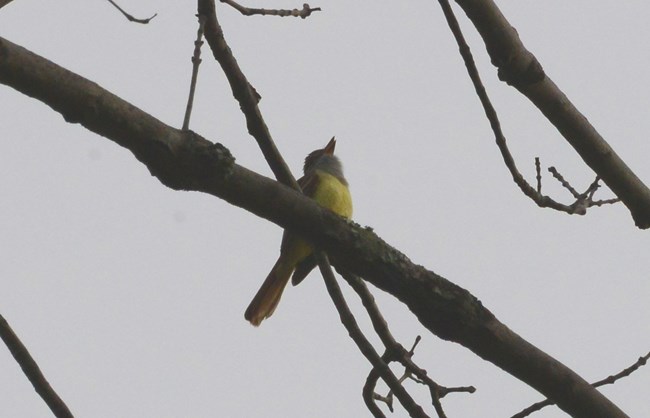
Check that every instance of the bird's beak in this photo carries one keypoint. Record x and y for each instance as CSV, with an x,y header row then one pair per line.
x,y
329,148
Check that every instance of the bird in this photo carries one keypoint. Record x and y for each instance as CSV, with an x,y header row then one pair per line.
x,y
324,182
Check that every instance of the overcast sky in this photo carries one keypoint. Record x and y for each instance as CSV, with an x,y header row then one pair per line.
x,y
131,296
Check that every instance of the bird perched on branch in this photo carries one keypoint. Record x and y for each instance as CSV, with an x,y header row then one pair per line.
x,y
324,182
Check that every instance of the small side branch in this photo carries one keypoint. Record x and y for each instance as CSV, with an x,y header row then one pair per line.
x,y
584,200
350,323
563,182
581,204
519,68
244,93
395,352
32,371
196,62
303,13
130,17
642,361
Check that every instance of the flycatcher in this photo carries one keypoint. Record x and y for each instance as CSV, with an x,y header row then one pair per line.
x,y
324,182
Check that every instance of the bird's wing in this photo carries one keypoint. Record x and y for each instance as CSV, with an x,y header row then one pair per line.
x,y
308,185
303,269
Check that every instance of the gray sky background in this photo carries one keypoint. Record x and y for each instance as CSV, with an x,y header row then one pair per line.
x,y
131,296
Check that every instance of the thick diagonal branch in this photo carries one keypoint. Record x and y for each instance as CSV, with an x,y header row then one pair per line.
x,y
184,160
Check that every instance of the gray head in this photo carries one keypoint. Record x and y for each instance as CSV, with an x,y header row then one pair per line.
x,y
325,160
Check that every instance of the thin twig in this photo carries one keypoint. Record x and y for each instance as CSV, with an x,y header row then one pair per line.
x,y
606,381
538,171
585,199
303,13
130,17
556,174
369,395
32,371
350,323
396,352
642,361
605,202
196,62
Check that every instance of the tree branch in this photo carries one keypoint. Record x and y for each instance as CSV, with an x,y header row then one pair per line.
x,y
196,62
378,363
519,68
606,381
303,13
583,201
396,352
32,371
130,17
245,94
184,160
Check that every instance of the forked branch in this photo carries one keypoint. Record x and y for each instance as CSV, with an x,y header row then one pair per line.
x,y
395,352
303,13
582,202
519,68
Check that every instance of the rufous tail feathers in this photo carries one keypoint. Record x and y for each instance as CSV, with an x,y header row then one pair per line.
x,y
268,297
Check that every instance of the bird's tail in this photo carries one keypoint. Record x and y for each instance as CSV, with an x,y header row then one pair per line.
x,y
268,297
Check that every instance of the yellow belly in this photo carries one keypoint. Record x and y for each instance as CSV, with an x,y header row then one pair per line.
x,y
333,194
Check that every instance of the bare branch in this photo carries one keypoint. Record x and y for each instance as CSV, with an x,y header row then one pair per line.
x,y
538,171
32,371
520,69
607,381
369,395
196,62
642,361
584,200
244,93
303,13
580,206
396,352
347,318
130,17
563,182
